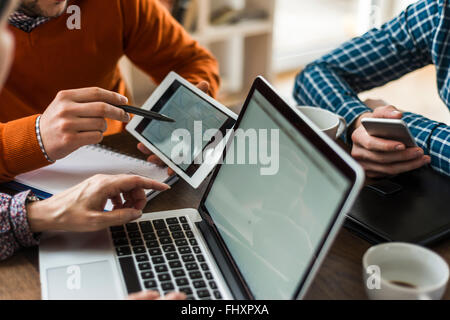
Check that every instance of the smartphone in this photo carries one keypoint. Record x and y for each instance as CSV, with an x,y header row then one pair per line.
x,y
391,129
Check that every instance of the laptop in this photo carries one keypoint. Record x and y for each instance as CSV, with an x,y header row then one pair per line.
x,y
260,232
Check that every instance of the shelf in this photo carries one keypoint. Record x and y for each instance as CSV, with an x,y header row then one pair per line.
x,y
243,50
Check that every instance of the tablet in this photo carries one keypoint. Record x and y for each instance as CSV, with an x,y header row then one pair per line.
x,y
194,143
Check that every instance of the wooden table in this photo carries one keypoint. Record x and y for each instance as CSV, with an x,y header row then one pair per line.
x,y
340,276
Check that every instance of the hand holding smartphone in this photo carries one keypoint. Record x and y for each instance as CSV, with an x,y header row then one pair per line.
x,y
390,129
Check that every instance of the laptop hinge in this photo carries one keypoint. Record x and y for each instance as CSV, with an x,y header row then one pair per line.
x,y
228,272
208,219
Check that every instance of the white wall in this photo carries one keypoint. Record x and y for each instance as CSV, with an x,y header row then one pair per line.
x,y
307,29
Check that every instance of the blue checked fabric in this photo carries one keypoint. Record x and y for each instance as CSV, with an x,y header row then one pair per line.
x,y
419,36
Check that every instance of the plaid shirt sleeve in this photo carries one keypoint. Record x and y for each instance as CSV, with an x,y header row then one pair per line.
x,y
433,137
400,46
14,228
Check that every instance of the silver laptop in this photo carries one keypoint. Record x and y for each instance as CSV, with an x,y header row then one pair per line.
x,y
261,231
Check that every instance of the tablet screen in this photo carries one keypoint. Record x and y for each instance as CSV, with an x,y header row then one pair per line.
x,y
194,116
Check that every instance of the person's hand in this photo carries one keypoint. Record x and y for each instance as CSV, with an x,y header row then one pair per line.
x,y
381,157
375,103
204,86
153,295
153,158
77,118
80,209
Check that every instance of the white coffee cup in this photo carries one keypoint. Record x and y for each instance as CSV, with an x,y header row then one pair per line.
x,y
403,271
331,124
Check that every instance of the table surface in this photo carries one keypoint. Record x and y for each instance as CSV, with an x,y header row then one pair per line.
x,y
340,276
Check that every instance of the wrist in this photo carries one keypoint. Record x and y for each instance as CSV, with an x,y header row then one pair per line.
x,y
40,140
357,123
40,216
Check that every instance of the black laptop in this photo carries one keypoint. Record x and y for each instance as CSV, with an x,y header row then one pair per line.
x,y
412,207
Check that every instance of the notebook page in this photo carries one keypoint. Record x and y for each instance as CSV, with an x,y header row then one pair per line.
x,y
83,164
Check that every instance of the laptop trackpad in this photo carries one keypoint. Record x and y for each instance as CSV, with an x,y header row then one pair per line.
x,y
87,281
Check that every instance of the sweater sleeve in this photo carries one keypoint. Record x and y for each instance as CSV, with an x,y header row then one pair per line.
x,y
14,227
19,148
158,44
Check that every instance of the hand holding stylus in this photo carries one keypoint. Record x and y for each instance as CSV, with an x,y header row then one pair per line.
x,y
77,118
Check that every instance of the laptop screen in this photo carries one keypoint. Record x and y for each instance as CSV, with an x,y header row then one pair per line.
x,y
273,217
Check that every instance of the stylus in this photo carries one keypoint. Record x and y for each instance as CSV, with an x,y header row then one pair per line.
x,y
146,114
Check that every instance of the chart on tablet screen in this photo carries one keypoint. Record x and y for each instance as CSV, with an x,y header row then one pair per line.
x,y
185,108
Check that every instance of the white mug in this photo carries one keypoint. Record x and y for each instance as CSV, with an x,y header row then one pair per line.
x,y
331,124
404,271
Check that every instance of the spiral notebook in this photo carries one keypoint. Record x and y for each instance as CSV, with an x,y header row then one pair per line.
x,y
83,164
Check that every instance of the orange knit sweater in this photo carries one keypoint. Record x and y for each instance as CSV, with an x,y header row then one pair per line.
x,y
53,58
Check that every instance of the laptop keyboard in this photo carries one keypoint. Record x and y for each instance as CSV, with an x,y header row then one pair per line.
x,y
163,255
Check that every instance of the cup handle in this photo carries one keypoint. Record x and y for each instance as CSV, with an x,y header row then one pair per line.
x,y
342,127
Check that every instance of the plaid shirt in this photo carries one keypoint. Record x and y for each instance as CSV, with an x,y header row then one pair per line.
x,y
417,37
